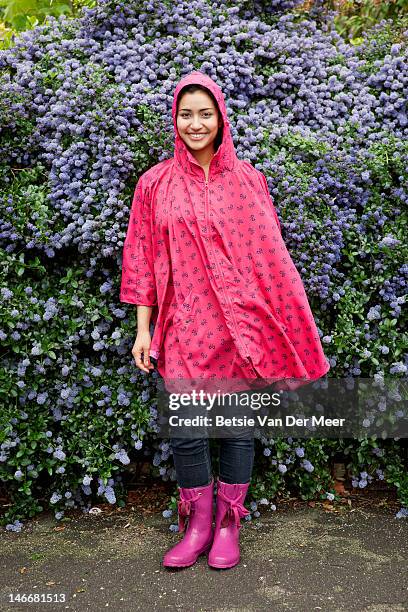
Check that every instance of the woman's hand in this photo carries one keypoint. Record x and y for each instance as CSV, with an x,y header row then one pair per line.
x,y
142,345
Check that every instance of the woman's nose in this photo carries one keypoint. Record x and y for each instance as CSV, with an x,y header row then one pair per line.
x,y
196,123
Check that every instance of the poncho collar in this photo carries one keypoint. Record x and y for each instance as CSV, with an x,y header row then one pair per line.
x,y
225,157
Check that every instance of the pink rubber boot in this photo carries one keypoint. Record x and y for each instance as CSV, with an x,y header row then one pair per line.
x,y
230,509
196,504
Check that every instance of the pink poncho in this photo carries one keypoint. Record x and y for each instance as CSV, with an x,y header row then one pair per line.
x,y
228,301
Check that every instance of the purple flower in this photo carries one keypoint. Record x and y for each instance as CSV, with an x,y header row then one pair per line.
x,y
307,465
110,495
6,294
55,498
16,526
59,454
41,398
106,287
398,368
122,457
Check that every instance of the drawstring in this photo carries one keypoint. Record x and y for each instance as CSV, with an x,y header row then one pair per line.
x,y
235,510
184,509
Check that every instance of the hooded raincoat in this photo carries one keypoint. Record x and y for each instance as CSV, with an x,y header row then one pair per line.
x,y
208,256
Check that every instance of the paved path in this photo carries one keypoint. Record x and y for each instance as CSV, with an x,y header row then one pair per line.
x,y
301,559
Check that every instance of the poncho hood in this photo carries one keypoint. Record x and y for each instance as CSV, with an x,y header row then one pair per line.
x,y
225,157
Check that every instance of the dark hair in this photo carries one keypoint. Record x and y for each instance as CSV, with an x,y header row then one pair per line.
x,y
193,88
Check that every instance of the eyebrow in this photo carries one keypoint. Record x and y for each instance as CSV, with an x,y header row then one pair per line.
x,y
201,109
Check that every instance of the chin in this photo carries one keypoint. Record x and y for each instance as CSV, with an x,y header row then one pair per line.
x,y
197,146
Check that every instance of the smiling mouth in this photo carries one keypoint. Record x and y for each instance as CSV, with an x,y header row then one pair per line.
x,y
197,136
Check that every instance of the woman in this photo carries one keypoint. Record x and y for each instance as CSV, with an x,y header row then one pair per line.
x,y
205,260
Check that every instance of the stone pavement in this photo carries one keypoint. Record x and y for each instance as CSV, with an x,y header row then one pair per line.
x,y
300,559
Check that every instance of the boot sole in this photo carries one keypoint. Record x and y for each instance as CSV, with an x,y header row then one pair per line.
x,y
223,566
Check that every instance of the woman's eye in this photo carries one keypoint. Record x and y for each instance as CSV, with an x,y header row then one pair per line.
x,y
204,114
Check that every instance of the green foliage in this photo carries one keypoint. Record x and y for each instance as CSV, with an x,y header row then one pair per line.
x,y
360,454
25,14
354,18
20,15
88,434
391,460
269,482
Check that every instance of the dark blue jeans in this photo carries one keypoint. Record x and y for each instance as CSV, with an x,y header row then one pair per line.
x,y
192,460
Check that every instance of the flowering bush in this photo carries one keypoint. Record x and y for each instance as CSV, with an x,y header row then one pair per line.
x,y
86,108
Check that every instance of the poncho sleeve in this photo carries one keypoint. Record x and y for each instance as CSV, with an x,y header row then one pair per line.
x,y
266,189
138,284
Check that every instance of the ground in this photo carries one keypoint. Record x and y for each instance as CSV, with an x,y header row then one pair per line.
x,y
333,557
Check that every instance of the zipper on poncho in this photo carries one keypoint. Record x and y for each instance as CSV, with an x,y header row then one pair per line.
x,y
221,276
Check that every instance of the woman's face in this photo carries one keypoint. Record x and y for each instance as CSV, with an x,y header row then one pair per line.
x,y
198,115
